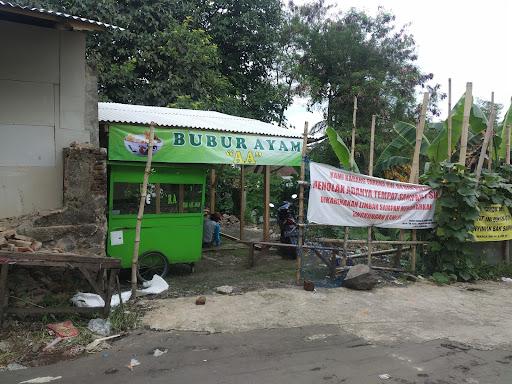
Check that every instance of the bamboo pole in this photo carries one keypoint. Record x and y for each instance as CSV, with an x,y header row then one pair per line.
x,y
491,145
380,242
300,240
351,163
266,208
242,201
507,140
468,102
507,160
140,214
507,143
370,173
415,169
485,144
449,119
353,142
213,191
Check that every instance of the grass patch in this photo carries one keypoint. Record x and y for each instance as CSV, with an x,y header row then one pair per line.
x,y
124,318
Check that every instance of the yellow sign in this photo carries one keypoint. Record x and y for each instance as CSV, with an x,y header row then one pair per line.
x,y
494,224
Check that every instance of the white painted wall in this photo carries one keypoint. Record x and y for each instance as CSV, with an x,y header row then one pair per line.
x,y
42,106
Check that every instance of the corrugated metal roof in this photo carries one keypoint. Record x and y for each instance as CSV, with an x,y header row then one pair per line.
x,y
189,118
40,11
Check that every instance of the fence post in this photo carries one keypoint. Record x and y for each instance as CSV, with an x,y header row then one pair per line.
x,y
301,203
415,169
370,173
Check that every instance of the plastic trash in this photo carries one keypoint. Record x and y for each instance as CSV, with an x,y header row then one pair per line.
x,y
15,367
384,376
99,326
65,329
133,363
42,379
92,300
125,296
99,344
89,300
506,279
155,286
157,352
52,343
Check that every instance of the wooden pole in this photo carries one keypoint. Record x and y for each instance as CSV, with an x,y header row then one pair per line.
x,y
266,208
449,119
415,169
213,191
485,144
242,201
468,102
507,160
353,142
370,173
351,162
507,140
300,240
507,143
491,145
140,214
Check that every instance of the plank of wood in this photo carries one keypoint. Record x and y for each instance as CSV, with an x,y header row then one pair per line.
x,y
26,257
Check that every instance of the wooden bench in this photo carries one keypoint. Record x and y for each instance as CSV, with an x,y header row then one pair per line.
x,y
100,272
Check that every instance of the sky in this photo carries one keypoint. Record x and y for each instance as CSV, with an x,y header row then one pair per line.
x,y
467,40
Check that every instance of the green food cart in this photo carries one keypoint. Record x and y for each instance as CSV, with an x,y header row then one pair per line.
x,y
186,144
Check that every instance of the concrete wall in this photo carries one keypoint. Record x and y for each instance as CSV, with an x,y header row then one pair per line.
x,y
42,110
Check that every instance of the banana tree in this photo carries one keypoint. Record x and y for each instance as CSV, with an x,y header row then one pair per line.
x,y
399,152
502,132
341,150
438,149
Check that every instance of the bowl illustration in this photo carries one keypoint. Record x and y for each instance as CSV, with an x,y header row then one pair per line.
x,y
138,144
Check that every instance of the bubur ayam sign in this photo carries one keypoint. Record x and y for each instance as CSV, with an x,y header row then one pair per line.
x,y
128,142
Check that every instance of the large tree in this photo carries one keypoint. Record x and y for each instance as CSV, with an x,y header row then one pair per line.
x,y
354,54
157,60
215,54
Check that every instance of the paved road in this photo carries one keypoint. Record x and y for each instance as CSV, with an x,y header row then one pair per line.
x,y
313,354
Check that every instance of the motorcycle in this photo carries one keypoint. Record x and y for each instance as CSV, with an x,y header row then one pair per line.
x,y
289,230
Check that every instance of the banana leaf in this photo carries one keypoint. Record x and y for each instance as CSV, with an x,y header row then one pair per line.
x,y
340,149
438,149
400,150
501,131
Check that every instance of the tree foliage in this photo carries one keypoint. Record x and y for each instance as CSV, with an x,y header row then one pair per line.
x,y
354,54
252,57
196,54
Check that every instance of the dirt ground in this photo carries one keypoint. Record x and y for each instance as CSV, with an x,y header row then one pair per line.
x,y
228,265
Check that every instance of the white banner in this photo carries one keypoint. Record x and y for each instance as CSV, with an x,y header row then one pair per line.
x,y
343,198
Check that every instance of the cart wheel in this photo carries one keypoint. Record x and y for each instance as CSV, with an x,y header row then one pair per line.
x,y
152,263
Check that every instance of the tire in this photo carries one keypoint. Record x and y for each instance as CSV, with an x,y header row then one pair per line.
x,y
152,263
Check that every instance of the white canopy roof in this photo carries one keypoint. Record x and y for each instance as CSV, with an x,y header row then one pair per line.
x,y
188,118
